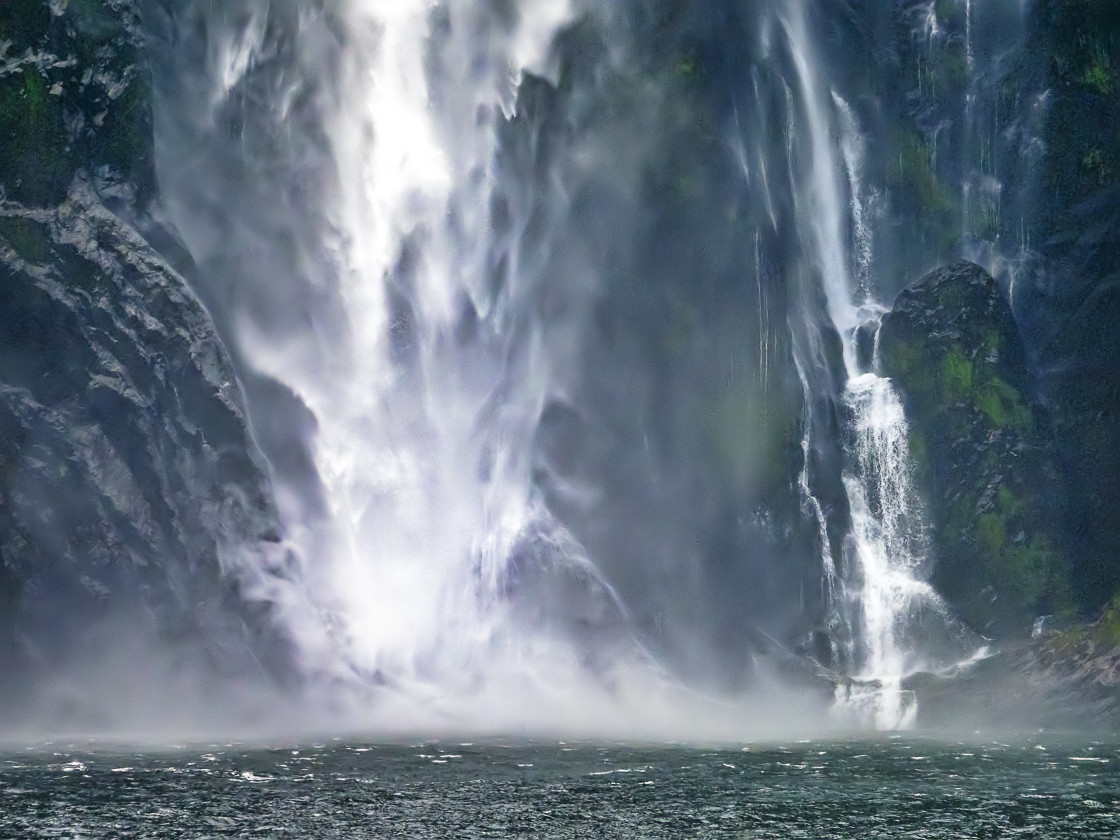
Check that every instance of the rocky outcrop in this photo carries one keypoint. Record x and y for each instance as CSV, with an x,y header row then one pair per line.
x,y
1068,679
126,475
982,452
130,490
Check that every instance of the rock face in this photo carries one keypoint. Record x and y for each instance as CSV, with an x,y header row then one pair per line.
x,y
982,452
1071,305
129,482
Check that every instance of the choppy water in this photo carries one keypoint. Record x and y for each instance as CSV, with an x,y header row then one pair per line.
x,y
890,788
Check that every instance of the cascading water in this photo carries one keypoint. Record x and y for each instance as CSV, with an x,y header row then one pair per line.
x,y
529,314
882,594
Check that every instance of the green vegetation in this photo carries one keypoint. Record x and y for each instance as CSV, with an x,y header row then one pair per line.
x,y
902,360
1033,575
1029,570
1003,405
956,376
33,154
916,186
991,532
1098,73
1097,166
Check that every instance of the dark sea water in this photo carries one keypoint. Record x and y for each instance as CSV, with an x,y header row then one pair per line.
x,y
895,787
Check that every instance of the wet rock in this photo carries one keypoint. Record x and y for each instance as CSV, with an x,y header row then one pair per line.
x,y
131,493
75,94
127,475
1068,679
982,451
1067,298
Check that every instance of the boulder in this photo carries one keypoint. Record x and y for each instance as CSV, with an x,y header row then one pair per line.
x,y
983,455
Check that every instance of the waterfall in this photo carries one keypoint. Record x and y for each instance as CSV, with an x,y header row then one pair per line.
x,y
535,309
881,589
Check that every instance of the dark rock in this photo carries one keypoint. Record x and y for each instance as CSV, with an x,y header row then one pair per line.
x,y
127,475
131,494
1060,680
865,345
981,450
75,95
1068,297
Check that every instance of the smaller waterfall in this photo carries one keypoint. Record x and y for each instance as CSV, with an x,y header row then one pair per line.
x,y
880,592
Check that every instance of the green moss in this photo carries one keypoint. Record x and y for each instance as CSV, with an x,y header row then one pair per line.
x,y
34,164
991,406
1098,74
1009,504
28,237
1030,572
1097,166
991,533
902,360
956,376
1003,405
917,191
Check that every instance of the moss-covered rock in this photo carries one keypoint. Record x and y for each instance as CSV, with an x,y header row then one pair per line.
x,y
34,156
75,95
982,451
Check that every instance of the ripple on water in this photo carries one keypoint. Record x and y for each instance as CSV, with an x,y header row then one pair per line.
x,y
885,789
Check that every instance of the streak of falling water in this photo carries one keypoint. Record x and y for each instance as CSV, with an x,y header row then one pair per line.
x,y
852,147
890,550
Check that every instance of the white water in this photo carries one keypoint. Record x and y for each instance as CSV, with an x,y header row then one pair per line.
x,y
882,591
422,444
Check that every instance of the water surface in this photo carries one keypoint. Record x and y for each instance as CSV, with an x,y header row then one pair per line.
x,y
892,787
